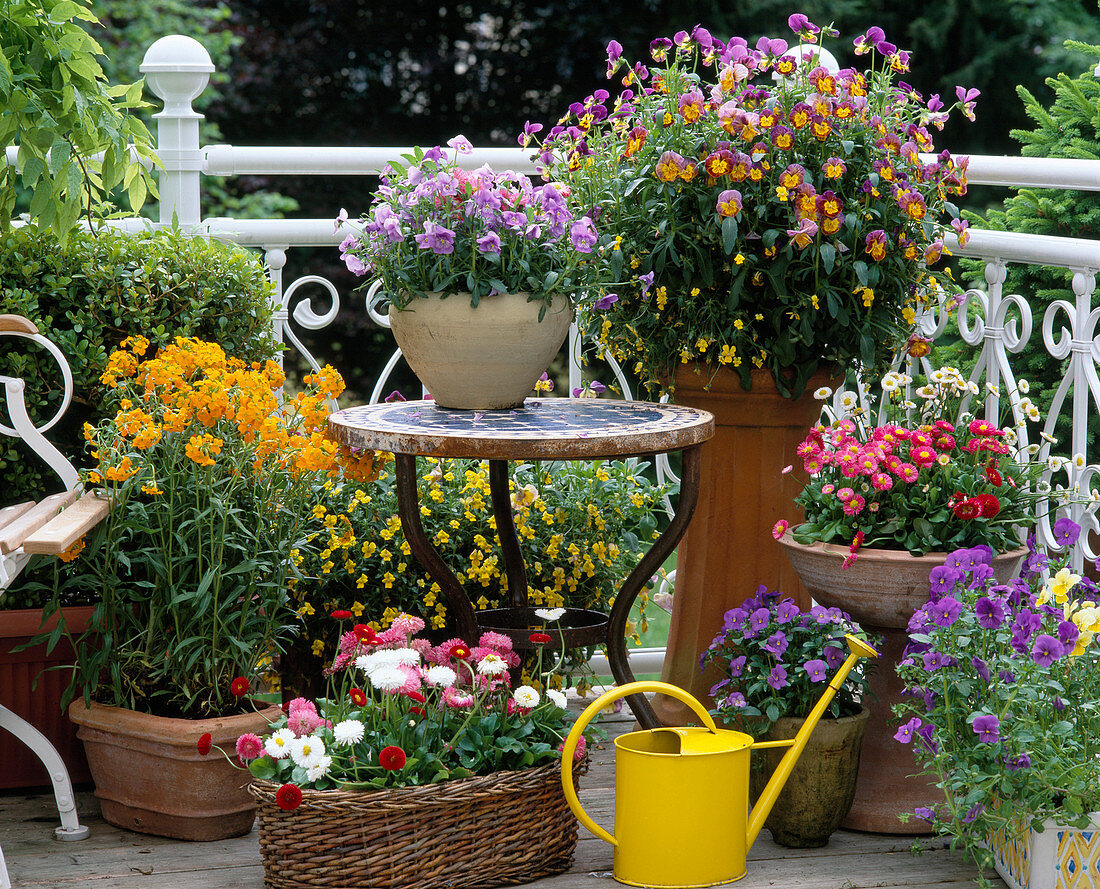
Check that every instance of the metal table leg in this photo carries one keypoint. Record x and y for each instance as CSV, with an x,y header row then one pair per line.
x,y
646,568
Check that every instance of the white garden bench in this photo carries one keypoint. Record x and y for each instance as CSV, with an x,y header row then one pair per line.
x,y
49,527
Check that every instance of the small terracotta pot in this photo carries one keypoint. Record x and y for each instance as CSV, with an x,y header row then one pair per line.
x,y
150,777
820,790
484,358
881,590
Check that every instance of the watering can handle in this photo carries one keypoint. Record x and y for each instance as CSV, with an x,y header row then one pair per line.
x,y
586,717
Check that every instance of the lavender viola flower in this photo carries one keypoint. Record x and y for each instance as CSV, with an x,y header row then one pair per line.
x,y
905,733
734,617
776,644
437,238
925,813
759,619
942,580
777,677
980,575
834,656
1006,676
946,611
1066,532
786,611
816,669
987,727
981,668
973,812
736,699
606,302
1068,634
1046,650
489,243
737,666
1016,763
583,234
991,613
646,282
926,734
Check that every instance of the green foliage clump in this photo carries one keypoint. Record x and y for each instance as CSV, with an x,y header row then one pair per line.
x,y
92,292
57,106
1069,128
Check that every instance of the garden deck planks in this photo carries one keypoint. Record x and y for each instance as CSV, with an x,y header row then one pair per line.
x,y
116,859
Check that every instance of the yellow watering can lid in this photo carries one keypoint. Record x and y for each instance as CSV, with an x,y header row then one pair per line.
x,y
696,741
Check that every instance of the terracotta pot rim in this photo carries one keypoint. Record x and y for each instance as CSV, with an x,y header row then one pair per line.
x,y
28,621
163,729
841,551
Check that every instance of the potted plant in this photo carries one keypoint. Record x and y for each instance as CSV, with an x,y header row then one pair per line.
x,y
416,746
773,658
480,269
1003,712
209,478
775,219
579,551
887,493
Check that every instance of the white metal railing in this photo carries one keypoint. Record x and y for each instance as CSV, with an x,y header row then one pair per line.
x,y
999,324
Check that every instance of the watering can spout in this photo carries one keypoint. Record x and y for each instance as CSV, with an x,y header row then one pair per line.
x,y
857,649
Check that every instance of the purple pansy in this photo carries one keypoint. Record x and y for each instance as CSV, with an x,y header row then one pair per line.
x,y
817,670
437,238
606,302
777,677
946,611
777,643
991,613
1066,532
905,733
981,668
987,727
1046,650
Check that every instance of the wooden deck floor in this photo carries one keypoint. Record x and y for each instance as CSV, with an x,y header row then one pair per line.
x,y
116,859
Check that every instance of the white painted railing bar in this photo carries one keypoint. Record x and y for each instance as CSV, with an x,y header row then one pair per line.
x,y
233,160
1068,253
1034,172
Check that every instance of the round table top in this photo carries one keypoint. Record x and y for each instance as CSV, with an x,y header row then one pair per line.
x,y
543,429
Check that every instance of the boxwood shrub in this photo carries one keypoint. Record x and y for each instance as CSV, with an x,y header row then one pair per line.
x,y
93,292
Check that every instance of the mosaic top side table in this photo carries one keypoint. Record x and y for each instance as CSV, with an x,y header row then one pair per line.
x,y
544,429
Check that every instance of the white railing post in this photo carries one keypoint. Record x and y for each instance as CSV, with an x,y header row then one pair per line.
x,y
178,69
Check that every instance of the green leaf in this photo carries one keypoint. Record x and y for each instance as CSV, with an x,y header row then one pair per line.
x,y
729,234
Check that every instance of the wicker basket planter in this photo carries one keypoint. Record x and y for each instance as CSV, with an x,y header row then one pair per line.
x,y
495,830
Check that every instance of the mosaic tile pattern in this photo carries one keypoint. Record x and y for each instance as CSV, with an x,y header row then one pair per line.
x,y
1078,859
1057,858
588,426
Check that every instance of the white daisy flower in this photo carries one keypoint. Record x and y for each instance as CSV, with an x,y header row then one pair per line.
x,y
278,745
1033,414
363,662
823,393
395,657
1032,450
1010,436
492,665
550,614
995,391
307,751
938,376
526,696
1042,487
972,388
440,676
927,392
386,678
1045,436
1055,463
890,382
909,405
350,731
1024,387
319,769
559,700
1079,461
848,401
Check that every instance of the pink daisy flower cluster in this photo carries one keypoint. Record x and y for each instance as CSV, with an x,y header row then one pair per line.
x,y
921,487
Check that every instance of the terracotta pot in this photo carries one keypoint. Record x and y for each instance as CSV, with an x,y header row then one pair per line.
x,y
881,590
822,786
487,358
727,551
150,777
36,696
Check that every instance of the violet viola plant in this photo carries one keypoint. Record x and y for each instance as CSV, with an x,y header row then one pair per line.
x,y
434,227
776,660
1003,694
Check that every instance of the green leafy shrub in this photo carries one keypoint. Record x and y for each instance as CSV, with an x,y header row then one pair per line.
x,y
91,293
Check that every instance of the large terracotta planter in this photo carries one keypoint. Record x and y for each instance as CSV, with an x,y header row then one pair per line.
x,y
1060,857
484,358
821,788
36,696
728,549
881,590
150,777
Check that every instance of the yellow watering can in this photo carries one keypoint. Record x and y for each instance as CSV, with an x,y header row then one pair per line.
x,y
682,794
